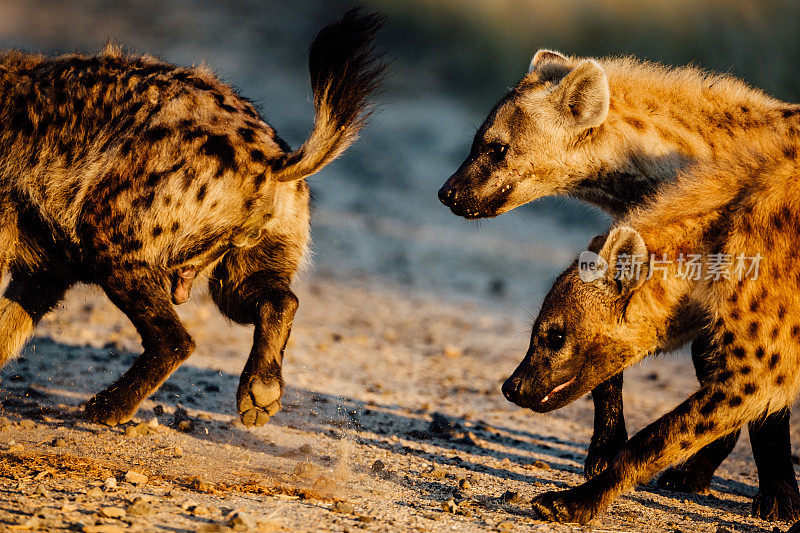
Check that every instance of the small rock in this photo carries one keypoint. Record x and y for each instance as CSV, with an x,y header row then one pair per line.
x,y
464,484
377,466
103,528
135,478
153,423
27,424
185,426
542,465
450,506
241,519
94,492
505,526
342,507
59,443
43,512
139,507
199,510
110,483
452,351
30,523
510,496
158,410
177,452
112,512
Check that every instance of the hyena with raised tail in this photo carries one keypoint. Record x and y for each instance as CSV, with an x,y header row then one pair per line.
x,y
612,133
136,175
742,214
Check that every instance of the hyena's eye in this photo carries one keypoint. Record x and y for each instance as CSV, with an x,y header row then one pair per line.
x,y
497,151
554,338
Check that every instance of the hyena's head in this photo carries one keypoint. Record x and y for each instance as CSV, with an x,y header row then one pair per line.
x,y
584,333
534,142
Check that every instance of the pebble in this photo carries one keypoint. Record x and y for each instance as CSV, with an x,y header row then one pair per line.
x,y
505,526
59,443
199,510
377,466
112,512
241,519
510,496
139,507
542,465
186,426
450,506
452,351
464,484
94,492
342,507
110,483
135,478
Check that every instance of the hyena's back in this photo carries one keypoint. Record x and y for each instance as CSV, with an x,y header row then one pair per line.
x,y
126,158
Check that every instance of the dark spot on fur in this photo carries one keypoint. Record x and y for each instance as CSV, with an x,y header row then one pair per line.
x,y
156,134
774,359
781,312
738,352
749,388
703,427
158,230
735,401
780,379
712,403
247,134
175,226
727,338
201,193
745,370
257,155
760,353
775,331
753,328
219,147
724,376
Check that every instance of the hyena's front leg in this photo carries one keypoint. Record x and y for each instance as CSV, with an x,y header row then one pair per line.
x,y
609,434
696,473
778,497
145,300
261,298
712,412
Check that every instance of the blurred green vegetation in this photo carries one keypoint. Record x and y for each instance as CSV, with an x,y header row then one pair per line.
x,y
477,48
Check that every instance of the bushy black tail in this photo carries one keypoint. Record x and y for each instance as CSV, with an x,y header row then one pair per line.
x,y
345,71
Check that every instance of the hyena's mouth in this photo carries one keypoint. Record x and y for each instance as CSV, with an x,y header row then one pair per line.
x,y
560,396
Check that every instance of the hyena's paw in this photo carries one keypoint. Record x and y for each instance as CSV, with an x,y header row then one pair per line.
x,y
783,506
563,506
105,408
600,456
685,479
258,399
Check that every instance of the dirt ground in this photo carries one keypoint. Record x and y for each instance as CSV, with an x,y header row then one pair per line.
x,y
393,421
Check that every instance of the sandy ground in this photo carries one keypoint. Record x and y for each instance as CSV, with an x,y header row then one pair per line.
x,y
410,312
368,368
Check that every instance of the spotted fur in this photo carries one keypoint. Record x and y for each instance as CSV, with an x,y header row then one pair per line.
x,y
746,204
130,173
613,132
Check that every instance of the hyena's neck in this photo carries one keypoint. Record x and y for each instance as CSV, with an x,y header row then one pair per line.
x,y
664,121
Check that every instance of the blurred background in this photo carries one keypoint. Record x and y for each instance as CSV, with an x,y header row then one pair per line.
x,y
377,214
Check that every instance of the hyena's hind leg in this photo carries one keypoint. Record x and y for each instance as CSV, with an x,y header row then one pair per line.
x,y
778,497
251,286
145,300
27,298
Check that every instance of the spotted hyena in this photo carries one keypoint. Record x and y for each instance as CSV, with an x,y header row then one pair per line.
x,y
738,212
137,175
612,133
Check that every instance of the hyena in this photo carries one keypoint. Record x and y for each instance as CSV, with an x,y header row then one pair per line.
x,y
733,212
136,175
612,133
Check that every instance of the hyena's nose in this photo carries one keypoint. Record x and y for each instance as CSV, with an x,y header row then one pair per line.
x,y
511,388
448,195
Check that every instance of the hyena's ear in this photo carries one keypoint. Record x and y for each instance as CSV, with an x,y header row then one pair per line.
x,y
546,56
582,96
628,260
